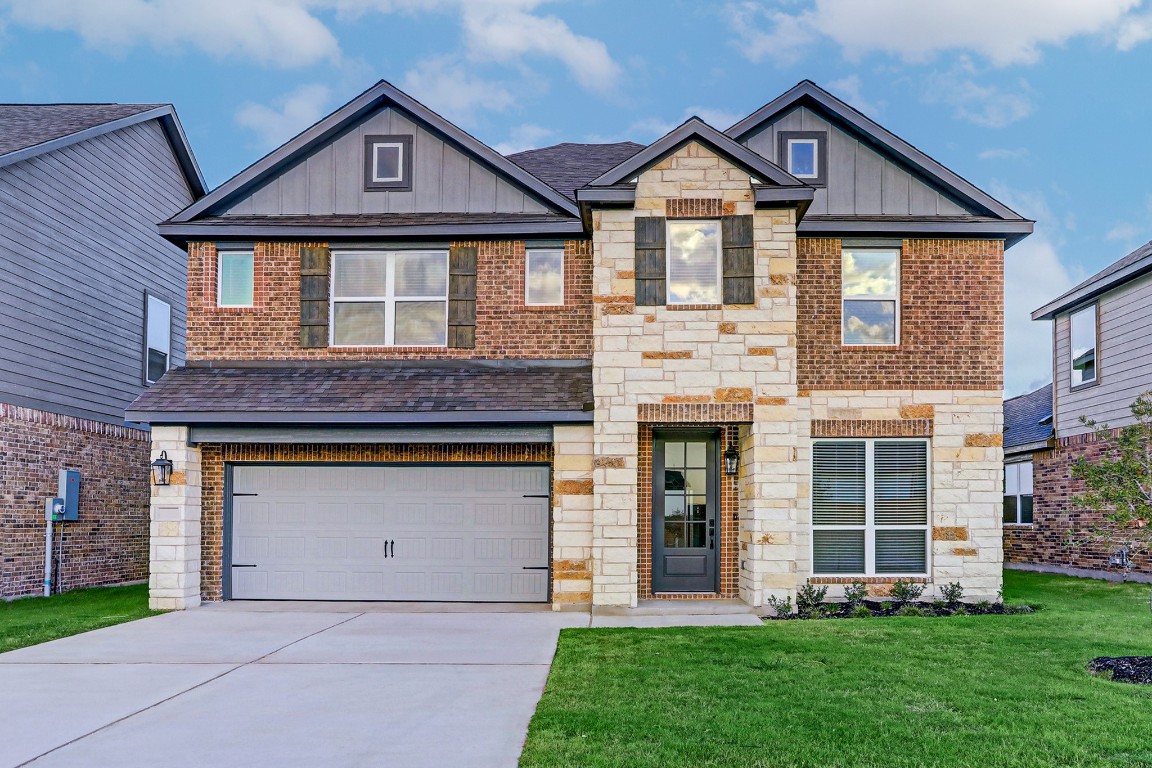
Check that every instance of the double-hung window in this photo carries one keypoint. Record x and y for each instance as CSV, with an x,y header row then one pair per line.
x,y
1018,493
1082,346
870,507
870,302
235,281
544,277
694,262
157,338
390,298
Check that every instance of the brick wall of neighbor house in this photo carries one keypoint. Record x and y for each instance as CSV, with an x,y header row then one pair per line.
x,y
1055,515
109,542
951,319
505,327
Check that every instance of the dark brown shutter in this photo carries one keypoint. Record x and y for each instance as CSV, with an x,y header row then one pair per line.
x,y
315,267
462,296
651,262
739,260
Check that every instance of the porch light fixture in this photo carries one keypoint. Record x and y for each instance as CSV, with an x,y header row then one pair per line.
x,y
162,469
731,460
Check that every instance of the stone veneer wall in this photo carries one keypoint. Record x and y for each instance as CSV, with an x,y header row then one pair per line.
x,y
571,516
108,544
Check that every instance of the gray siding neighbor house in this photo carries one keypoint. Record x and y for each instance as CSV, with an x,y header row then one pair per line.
x,y
92,311
1102,345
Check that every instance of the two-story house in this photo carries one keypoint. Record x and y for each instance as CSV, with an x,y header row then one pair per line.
x,y
91,312
716,366
1101,347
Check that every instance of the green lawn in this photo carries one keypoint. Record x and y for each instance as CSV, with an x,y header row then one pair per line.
x,y
33,620
989,691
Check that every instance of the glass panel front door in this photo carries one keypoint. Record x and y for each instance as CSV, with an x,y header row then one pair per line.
x,y
685,499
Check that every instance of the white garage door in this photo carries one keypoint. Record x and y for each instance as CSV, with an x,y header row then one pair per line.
x,y
438,533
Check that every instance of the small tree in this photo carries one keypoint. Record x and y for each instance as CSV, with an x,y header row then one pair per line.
x,y
1118,487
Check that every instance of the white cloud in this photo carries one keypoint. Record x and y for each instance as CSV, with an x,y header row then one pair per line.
x,y
1000,153
280,33
527,136
452,89
1124,232
292,113
1004,33
655,127
848,89
986,105
1033,276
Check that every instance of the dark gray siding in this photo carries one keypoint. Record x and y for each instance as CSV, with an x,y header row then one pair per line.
x,y
331,180
78,248
1125,360
860,180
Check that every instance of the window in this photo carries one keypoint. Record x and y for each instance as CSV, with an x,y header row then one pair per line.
x,y
1083,346
234,279
1018,493
871,296
388,162
803,154
390,298
157,338
544,277
870,507
694,262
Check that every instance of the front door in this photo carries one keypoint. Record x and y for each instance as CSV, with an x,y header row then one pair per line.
x,y
685,507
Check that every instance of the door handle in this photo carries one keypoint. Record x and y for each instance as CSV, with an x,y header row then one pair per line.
x,y
392,544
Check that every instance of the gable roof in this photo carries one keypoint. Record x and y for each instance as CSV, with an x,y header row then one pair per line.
x,y
567,167
28,130
1134,265
1028,418
808,94
379,95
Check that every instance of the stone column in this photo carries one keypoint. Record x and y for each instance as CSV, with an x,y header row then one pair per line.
x,y
174,548
571,516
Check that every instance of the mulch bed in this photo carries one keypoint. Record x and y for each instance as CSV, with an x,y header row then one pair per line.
x,y
1124,669
880,608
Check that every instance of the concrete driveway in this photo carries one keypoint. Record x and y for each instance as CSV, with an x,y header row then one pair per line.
x,y
294,685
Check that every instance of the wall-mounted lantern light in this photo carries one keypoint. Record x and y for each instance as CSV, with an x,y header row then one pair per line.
x,y
731,460
162,469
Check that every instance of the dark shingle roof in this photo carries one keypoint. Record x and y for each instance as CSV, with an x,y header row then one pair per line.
x,y
567,167
385,392
1028,418
26,125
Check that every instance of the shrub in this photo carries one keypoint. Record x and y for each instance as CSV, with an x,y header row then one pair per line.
x,y
861,612
909,610
855,592
781,606
809,598
906,591
983,605
952,592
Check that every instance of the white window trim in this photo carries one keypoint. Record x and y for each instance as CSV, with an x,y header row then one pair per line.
x,y
1095,307
389,300
815,158
894,297
870,526
1015,465
719,263
376,177
528,273
220,279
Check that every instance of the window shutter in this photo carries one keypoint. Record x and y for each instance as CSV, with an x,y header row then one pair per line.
x,y
651,262
739,260
462,261
315,268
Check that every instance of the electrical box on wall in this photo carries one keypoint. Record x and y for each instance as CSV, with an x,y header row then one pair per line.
x,y
69,493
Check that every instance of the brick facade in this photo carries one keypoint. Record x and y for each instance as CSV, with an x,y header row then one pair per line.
x,y
109,542
951,319
505,326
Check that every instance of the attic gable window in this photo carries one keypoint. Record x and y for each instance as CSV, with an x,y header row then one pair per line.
x,y
388,162
804,155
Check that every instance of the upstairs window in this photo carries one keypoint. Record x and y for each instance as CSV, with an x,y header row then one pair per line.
x,y
1082,346
870,300
1018,493
544,277
694,263
390,298
388,163
235,283
803,154
157,338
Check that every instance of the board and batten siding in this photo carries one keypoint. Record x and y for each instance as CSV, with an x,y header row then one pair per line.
x,y
1124,358
331,179
80,248
860,181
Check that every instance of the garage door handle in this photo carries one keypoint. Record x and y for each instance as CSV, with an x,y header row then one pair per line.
x,y
244,494
536,567
535,496
235,565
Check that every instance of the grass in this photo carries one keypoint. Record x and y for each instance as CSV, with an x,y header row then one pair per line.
x,y
33,620
999,691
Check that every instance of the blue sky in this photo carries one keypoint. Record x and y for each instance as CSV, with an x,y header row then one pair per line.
x,y
1043,103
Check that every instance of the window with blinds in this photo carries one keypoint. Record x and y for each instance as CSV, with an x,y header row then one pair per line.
x,y
870,507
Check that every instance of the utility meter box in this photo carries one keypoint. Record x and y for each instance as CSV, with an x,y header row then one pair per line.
x,y
69,493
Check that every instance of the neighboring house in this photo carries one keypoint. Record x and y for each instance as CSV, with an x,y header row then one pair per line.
x,y
1102,344
1027,439
714,366
91,311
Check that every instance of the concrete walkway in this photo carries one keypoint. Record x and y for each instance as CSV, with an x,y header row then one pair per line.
x,y
292,684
